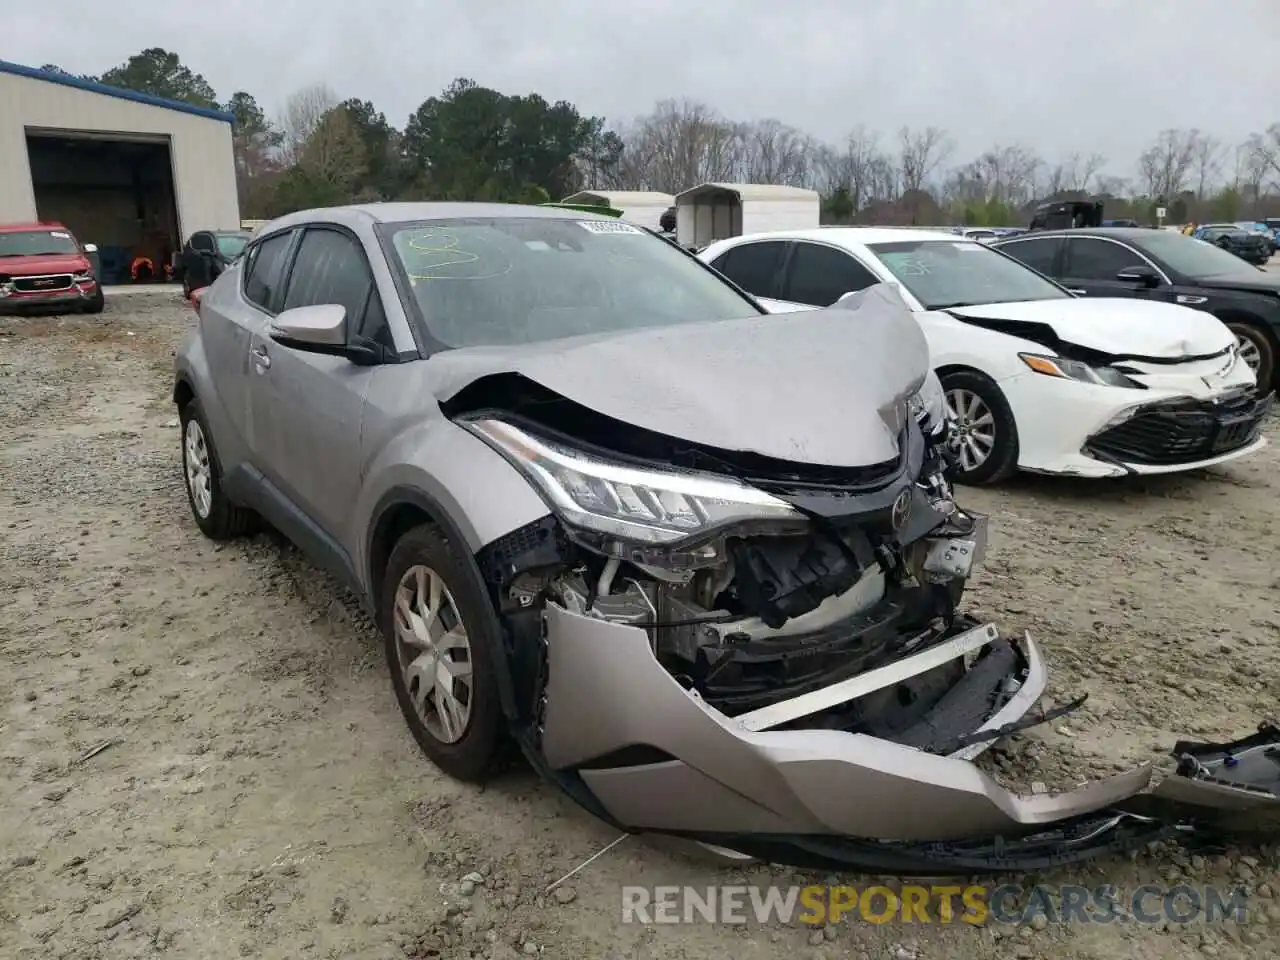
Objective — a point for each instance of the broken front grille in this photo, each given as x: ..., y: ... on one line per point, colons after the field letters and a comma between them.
x: 46, y: 284
x: 1183, y: 431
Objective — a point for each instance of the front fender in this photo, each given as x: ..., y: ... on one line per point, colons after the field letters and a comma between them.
x: 483, y: 495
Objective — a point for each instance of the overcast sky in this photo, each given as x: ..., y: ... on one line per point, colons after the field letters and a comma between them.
x: 1058, y: 76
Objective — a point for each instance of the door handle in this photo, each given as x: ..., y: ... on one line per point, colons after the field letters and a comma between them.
x: 261, y: 358
x: 1077, y: 291
x: 1191, y: 301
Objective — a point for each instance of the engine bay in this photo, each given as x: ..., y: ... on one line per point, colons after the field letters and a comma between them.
x: 762, y: 616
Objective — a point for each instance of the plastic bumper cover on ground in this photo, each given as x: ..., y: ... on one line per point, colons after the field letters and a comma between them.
x: 706, y: 773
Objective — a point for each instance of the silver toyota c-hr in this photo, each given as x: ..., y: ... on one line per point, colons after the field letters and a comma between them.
x: 702, y: 564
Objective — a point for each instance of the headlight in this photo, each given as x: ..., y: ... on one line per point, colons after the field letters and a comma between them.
x: 82, y: 276
x: 928, y: 404
x: 1077, y: 370
x: 626, y: 502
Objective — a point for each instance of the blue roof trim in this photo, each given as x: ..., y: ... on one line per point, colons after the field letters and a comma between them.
x: 31, y: 73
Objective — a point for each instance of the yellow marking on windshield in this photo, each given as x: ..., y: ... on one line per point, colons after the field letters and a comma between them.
x: 431, y: 243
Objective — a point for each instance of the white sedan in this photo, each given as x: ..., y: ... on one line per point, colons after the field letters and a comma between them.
x: 1035, y: 378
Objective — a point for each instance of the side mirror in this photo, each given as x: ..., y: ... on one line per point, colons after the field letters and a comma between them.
x: 1139, y: 273
x: 90, y: 248
x: 321, y: 328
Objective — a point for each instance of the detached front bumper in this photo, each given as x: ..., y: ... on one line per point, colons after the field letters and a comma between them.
x: 656, y: 758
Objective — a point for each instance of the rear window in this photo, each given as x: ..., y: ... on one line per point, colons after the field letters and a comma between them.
x: 35, y: 243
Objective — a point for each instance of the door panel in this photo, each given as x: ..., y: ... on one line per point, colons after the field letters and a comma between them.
x: 308, y: 407
x: 819, y: 275
x: 1091, y: 265
x: 755, y: 266
x: 230, y: 325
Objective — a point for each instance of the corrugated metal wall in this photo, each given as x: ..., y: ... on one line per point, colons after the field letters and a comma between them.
x: 203, y: 162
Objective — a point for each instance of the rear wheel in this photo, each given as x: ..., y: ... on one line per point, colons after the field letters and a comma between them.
x: 986, y: 434
x: 1257, y: 350
x: 216, y: 516
x: 435, y: 620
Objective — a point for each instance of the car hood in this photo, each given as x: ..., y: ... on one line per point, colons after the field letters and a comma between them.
x: 818, y: 387
x: 48, y: 263
x: 1255, y: 280
x: 1114, y: 326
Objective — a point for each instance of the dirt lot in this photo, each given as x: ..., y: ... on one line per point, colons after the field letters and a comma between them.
x: 202, y: 757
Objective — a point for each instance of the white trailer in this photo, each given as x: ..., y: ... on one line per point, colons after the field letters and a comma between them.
x: 641, y: 207
x: 718, y: 211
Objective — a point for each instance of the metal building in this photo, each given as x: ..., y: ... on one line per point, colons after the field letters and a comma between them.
x: 131, y: 173
x: 638, y: 206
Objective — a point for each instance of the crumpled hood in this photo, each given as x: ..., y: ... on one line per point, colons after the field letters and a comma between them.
x: 1115, y: 326
x: 822, y: 387
x: 35, y: 266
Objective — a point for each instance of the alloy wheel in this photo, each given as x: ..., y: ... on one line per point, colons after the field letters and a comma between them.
x: 434, y: 653
x: 1249, y: 352
x: 199, y: 470
x: 974, y: 427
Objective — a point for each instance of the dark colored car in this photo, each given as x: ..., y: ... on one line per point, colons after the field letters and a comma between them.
x: 207, y: 253
x: 1249, y: 246
x: 43, y: 265
x: 1063, y: 214
x: 1167, y: 266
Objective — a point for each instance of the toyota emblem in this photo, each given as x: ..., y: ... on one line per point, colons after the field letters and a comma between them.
x: 901, y: 510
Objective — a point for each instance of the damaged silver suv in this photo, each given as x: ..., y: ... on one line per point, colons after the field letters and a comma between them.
x: 702, y: 564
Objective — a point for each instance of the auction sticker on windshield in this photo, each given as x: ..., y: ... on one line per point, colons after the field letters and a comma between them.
x: 610, y: 226
x: 60, y: 235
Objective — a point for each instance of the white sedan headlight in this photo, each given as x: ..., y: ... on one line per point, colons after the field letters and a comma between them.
x: 651, y: 507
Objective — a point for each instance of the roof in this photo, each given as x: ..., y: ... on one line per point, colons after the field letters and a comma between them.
x: 413, y: 211
x: 752, y: 191
x: 90, y: 86
x: 842, y: 236
x: 622, y: 198
x: 1119, y: 233
x: 39, y: 225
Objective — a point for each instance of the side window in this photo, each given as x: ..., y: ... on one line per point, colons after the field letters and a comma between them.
x: 262, y: 272
x: 1036, y: 254
x: 754, y: 266
x: 331, y: 268
x: 1089, y: 259
x: 821, y: 275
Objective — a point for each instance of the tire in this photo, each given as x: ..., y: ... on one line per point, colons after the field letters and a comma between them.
x: 1255, y: 337
x: 476, y: 748
x: 97, y: 303
x: 222, y: 520
x: 1001, y: 460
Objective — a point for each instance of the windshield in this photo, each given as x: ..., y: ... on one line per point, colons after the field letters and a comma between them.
x: 231, y: 245
x: 502, y: 281
x: 35, y: 243
x: 1191, y: 257
x: 961, y: 273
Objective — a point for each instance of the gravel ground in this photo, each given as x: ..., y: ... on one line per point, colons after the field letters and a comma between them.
x: 202, y: 756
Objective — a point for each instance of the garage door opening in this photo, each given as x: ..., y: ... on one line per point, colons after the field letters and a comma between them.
x: 113, y: 192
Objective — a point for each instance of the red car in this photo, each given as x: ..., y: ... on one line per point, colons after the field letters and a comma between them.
x: 44, y: 265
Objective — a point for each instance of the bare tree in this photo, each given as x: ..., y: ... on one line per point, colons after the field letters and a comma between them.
x: 1206, y: 164
x: 922, y: 151
x: 1164, y: 166
x: 680, y: 144
x: 302, y: 113
x: 856, y: 167
x: 772, y: 152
